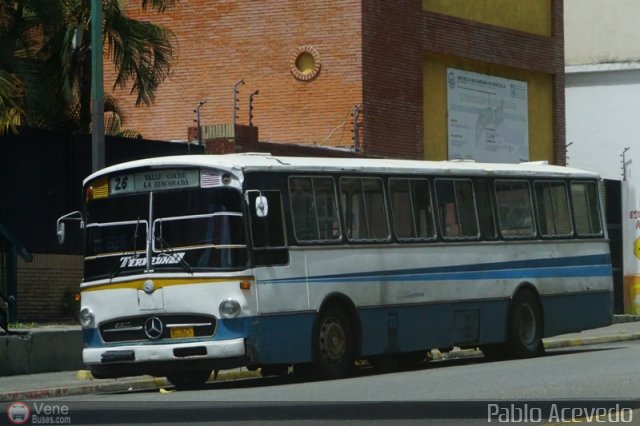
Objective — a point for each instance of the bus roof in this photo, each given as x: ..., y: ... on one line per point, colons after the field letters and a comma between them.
x: 248, y: 162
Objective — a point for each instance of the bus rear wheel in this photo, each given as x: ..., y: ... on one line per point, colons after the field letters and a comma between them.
x: 334, y: 343
x: 525, y: 326
x: 189, y: 379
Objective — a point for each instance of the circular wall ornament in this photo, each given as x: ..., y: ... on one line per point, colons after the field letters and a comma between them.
x: 305, y: 63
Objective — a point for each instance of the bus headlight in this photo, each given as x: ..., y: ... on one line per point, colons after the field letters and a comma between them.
x: 229, y: 308
x: 86, y: 317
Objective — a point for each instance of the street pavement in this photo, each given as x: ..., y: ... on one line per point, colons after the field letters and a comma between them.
x: 67, y: 383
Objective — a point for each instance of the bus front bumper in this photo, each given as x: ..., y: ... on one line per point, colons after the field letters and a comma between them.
x: 203, y: 350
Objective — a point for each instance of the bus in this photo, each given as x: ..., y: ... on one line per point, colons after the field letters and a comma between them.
x: 201, y: 263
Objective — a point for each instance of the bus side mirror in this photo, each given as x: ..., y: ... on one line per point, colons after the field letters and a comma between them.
x: 262, y: 206
x: 60, y: 225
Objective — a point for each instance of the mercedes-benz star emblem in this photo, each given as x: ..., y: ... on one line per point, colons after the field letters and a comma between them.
x: 153, y: 328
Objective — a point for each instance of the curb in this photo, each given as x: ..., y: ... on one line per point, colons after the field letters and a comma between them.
x: 131, y: 384
x: 554, y: 344
x: 617, y: 319
x: 457, y: 353
x: 148, y: 382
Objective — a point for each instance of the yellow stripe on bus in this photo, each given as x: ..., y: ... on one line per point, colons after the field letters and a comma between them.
x: 160, y: 283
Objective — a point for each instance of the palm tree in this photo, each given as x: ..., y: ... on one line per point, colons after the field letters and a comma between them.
x: 49, y: 72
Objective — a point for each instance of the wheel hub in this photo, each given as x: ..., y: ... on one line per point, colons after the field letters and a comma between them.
x: 526, y: 324
x: 332, y: 341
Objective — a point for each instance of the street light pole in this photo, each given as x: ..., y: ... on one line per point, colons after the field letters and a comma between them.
x: 97, y: 88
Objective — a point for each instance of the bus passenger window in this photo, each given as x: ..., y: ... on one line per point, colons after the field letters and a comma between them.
x: 364, y: 209
x: 456, y: 208
x: 515, y: 212
x: 314, y: 209
x: 552, y: 202
x: 585, y: 208
x: 411, y: 207
x: 303, y: 209
x: 486, y: 215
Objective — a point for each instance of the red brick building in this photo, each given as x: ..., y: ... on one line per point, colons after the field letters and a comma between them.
x: 315, y: 62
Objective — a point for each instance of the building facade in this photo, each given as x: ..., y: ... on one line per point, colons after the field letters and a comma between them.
x: 603, y: 97
x: 422, y: 79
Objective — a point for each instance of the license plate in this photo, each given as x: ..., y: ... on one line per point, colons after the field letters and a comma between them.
x: 181, y: 332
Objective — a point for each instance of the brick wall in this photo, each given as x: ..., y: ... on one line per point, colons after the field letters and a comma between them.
x: 221, y: 42
x: 392, y: 78
x: 371, y: 54
x: 42, y: 284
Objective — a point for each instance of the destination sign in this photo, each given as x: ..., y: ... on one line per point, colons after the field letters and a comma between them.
x: 154, y: 180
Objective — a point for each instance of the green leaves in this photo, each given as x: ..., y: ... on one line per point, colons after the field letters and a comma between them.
x: 11, y: 107
x: 45, y: 60
x: 141, y: 52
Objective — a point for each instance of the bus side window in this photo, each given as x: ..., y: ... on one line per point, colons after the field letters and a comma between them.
x: 313, y: 208
x: 486, y: 215
x: 585, y: 208
x: 303, y: 209
x: 326, y: 209
x: 364, y: 209
x: 515, y: 211
x: 552, y: 202
x: 411, y: 207
x: 457, y: 208
x: 267, y: 233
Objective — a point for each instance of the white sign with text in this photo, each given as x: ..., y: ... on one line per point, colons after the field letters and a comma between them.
x: 487, y: 118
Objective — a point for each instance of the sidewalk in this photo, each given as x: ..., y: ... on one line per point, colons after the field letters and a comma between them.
x: 66, y: 383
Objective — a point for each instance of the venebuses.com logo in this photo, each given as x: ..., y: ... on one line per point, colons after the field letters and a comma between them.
x: 18, y: 413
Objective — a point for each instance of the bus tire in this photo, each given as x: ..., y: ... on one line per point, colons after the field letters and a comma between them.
x: 525, y: 326
x: 189, y: 378
x: 334, y: 343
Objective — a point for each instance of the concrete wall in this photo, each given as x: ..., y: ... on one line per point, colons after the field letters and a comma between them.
x: 42, y: 351
x: 601, y: 31
x: 602, y: 120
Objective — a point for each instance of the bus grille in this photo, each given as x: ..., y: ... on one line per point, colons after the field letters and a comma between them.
x: 133, y: 328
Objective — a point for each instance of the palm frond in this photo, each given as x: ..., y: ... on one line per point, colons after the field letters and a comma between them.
x: 142, y: 53
x: 11, y: 102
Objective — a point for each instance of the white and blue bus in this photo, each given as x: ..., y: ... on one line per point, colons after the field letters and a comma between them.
x: 201, y: 263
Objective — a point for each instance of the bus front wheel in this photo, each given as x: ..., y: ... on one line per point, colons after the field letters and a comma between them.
x: 525, y: 326
x: 334, y: 343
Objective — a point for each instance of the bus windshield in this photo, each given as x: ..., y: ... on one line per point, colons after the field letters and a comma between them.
x: 191, y: 229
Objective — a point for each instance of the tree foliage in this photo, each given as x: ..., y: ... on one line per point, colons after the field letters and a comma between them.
x: 45, y: 61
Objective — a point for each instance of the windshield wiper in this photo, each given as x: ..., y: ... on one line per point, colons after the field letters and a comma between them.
x: 116, y: 269
x: 164, y: 245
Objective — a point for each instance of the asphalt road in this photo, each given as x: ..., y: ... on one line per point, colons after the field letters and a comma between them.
x: 596, y: 382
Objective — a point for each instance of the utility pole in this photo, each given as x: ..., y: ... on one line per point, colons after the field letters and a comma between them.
x: 356, y: 137
x: 197, y: 120
x: 251, y: 96
x: 624, y: 163
x: 566, y: 157
x: 97, y: 88
x: 235, y: 103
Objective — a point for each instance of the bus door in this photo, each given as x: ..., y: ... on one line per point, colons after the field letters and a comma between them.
x: 280, y: 273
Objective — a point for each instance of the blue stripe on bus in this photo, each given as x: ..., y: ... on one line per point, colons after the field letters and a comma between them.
x: 577, y: 266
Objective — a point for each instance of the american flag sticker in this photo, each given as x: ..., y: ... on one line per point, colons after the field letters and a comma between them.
x: 210, y: 179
